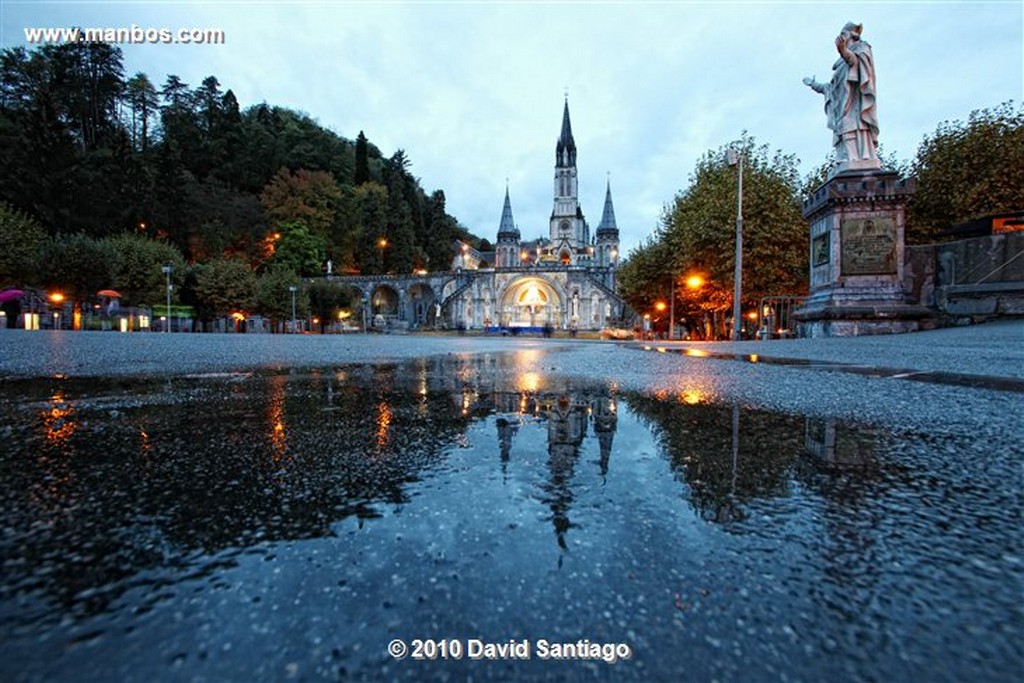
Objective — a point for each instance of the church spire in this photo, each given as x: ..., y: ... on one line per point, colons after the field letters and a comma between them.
x: 507, y: 228
x: 565, y: 150
x: 607, y: 224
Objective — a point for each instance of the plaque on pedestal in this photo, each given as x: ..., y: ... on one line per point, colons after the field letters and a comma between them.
x: 856, y: 257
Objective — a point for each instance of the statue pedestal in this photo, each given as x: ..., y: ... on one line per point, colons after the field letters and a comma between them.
x: 857, y: 224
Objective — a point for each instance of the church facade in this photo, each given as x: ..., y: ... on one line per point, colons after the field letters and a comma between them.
x: 565, y: 280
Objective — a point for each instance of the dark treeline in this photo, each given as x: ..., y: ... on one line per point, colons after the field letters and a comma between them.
x: 86, y: 149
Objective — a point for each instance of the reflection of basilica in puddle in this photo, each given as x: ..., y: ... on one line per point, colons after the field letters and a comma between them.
x: 569, y: 416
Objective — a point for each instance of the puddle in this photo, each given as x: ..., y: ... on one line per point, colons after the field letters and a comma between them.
x: 932, y: 377
x: 291, y: 525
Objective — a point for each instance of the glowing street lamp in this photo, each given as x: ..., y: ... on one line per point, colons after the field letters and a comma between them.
x: 735, y: 158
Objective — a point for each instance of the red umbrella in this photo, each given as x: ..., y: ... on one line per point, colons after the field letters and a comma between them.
x: 109, y: 293
x: 10, y: 295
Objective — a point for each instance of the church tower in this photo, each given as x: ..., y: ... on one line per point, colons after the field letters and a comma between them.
x: 569, y: 232
x: 607, y: 247
x: 507, y: 249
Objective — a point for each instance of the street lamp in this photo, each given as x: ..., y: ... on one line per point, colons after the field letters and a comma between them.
x: 167, y: 271
x: 382, y: 243
x: 292, y: 289
x: 736, y: 159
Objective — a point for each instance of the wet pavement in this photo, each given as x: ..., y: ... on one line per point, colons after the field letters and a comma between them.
x: 205, y: 507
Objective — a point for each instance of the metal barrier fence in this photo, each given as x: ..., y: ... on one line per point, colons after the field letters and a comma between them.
x: 775, y: 317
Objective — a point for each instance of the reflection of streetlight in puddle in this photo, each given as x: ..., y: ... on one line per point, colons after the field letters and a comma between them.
x: 691, y: 396
x: 529, y: 382
x: 59, y: 420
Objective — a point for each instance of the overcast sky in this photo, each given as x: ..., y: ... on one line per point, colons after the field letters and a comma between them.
x: 473, y: 92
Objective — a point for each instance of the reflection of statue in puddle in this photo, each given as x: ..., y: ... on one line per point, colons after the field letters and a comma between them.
x: 836, y: 447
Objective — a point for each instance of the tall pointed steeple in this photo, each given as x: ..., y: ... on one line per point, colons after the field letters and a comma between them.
x: 607, y: 224
x: 565, y: 150
x: 607, y: 237
x: 507, y: 249
x: 569, y: 231
x: 507, y: 228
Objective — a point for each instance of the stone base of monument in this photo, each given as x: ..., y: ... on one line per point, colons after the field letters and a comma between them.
x: 858, y: 219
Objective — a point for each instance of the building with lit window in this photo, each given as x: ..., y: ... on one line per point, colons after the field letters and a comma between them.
x: 564, y: 280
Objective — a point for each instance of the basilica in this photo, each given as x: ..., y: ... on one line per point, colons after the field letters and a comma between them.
x: 565, y: 280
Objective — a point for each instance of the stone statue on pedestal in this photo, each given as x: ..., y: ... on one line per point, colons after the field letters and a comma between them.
x: 850, y: 102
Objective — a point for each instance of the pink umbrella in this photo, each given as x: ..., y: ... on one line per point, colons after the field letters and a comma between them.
x: 10, y: 295
x: 109, y: 293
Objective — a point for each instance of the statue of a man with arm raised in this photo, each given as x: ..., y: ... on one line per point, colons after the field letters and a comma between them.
x: 850, y: 102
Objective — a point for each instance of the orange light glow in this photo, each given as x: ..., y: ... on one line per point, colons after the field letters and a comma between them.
x: 660, y: 306
x: 384, y: 417
x: 382, y: 242
x: 691, y: 397
x: 59, y: 420
x: 695, y: 282
x: 57, y: 297
x: 529, y: 382
x: 752, y: 315
x: 696, y: 353
x: 275, y: 418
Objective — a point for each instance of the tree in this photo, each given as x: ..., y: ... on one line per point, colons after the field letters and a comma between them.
x: 298, y: 250
x: 309, y: 197
x: 373, y: 205
x: 138, y: 274
x: 441, y: 229
x: 967, y: 170
x: 144, y: 103
x: 22, y: 238
x: 274, y: 296
x: 85, y: 150
x: 697, y: 234
x: 224, y: 286
x: 362, y: 170
x: 401, y: 232
x: 326, y: 299
x: 646, y: 275
x: 76, y: 266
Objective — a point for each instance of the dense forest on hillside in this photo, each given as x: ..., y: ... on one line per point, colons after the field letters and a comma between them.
x: 85, y: 149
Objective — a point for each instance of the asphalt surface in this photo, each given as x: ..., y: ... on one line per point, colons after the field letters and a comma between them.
x: 207, y: 527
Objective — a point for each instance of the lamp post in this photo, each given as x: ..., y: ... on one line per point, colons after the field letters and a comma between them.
x: 292, y: 289
x: 167, y: 271
x: 736, y: 159
x: 382, y: 243
x: 672, y: 307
